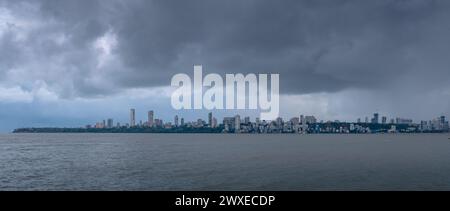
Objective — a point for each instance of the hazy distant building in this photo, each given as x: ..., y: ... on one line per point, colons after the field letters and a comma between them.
x: 132, y: 117
x: 210, y: 118
x: 443, y: 123
x: 383, y: 120
x: 182, y: 122
x: 229, y: 123
x: 375, y: 119
x: 237, y: 122
x: 200, y: 123
x: 110, y: 123
x: 158, y: 123
x: 247, y: 120
x: 403, y: 121
x: 392, y: 121
x: 176, y: 121
x: 151, y: 117
x: 295, y: 121
x: 214, y: 123
x: 310, y: 120
x: 279, y: 121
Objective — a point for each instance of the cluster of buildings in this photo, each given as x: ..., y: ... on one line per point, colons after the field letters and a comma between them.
x: 302, y: 124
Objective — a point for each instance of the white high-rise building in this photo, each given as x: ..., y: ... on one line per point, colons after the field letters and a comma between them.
x: 210, y: 118
x: 151, y: 120
x: 176, y: 121
x: 237, y: 122
x: 132, y: 117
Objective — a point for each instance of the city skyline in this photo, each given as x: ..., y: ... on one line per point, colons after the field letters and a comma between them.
x: 297, y: 124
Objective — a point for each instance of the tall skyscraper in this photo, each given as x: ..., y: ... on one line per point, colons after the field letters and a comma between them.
x: 110, y: 123
x: 132, y: 117
x: 151, y: 121
x: 182, y: 122
x: 210, y: 117
x: 214, y: 122
x: 176, y: 121
x: 237, y: 122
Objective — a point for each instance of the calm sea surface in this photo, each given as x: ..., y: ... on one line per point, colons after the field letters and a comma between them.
x: 224, y: 162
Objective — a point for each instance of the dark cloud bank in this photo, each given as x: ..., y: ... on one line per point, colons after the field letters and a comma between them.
x: 314, y: 45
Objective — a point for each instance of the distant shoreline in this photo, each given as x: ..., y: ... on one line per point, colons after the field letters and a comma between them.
x: 205, y: 130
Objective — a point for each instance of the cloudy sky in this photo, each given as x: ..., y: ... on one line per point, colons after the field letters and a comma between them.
x: 74, y: 62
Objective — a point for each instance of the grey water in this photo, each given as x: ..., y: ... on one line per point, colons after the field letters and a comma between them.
x: 224, y: 162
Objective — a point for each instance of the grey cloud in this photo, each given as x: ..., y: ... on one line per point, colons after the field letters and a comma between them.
x: 316, y: 46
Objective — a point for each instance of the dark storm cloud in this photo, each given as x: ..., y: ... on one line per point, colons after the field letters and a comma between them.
x: 316, y: 46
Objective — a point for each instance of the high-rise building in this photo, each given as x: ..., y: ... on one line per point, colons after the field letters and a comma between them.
x: 110, y: 123
x: 132, y: 117
x: 310, y: 120
x: 200, y: 122
x: 176, y: 121
x: 383, y: 120
x: 280, y: 121
x: 295, y: 121
x: 210, y: 118
x: 214, y: 122
x: 182, y: 122
x: 247, y: 120
x: 366, y: 120
x: 229, y: 123
x: 237, y: 122
x: 375, y: 119
x: 158, y: 123
x: 359, y: 120
x: 151, y: 117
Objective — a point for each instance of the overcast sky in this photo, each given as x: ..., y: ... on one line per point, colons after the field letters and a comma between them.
x: 75, y: 62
